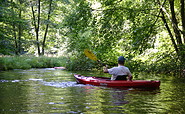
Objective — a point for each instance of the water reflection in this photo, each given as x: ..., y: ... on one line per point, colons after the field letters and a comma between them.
x: 55, y: 91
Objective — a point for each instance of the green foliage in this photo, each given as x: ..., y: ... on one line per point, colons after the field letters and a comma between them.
x: 83, y: 64
x: 77, y: 23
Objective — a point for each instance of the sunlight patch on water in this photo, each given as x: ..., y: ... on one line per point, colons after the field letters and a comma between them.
x: 32, y: 79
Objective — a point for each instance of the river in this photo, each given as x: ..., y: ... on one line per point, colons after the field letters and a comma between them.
x: 53, y: 91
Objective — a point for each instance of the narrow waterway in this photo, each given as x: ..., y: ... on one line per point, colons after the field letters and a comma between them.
x: 55, y: 92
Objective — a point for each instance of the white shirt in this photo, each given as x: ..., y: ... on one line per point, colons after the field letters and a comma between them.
x: 120, y: 70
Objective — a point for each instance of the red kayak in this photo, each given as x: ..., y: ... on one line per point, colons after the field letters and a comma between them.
x: 103, y: 81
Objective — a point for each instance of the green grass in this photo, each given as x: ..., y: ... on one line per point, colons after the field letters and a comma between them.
x: 27, y: 62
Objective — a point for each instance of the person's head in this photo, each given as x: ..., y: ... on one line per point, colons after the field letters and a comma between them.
x: 121, y: 60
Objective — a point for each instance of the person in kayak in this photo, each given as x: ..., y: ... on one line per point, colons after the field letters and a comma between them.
x: 119, y: 73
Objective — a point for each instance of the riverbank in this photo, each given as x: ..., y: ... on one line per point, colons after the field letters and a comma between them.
x: 82, y: 64
x: 27, y: 62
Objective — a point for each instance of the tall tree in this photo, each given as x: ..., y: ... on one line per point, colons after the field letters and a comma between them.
x: 37, y: 20
x: 47, y: 26
x: 183, y: 18
x: 171, y: 18
x: 6, y: 45
x: 13, y: 25
x: 20, y: 28
x: 17, y: 25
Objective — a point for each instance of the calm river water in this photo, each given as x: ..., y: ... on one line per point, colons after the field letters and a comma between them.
x: 52, y: 91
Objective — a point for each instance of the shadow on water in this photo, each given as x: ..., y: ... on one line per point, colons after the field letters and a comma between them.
x: 56, y: 91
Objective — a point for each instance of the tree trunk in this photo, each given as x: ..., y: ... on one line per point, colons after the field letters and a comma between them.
x: 163, y: 12
x: 176, y: 39
x: 169, y: 32
x: 47, y: 26
x: 183, y: 32
x: 15, y: 39
x: 36, y: 25
x: 183, y: 19
x: 19, y: 33
x: 14, y: 30
x: 177, y: 31
x: 175, y: 23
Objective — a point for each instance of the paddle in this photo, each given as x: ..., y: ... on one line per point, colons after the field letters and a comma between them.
x: 92, y: 56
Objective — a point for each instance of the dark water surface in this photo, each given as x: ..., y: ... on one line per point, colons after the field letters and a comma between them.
x: 56, y: 92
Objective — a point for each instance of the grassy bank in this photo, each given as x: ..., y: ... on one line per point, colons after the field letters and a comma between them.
x: 83, y: 63
x: 27, y: 62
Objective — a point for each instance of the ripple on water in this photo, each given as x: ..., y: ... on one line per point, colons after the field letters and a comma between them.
x: 53, y: 84
x: 4, y: 81
x: 63, y: 84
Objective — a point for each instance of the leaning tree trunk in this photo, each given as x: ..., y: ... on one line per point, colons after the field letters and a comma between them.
x: 178, y: 33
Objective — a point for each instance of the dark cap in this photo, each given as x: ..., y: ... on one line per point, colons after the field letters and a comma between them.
x: 121, y: 58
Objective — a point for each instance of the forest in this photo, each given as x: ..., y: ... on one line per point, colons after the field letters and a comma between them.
x: 150, y: 34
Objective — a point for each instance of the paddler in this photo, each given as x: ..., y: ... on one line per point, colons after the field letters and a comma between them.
x: 120, y: 72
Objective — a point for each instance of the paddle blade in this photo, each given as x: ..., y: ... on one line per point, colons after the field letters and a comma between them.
x: 90, y: 55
